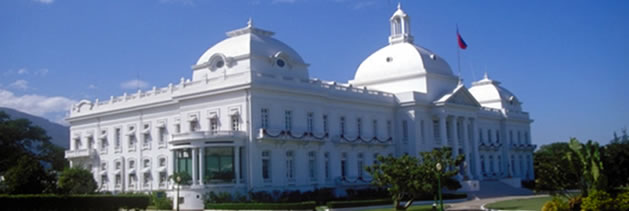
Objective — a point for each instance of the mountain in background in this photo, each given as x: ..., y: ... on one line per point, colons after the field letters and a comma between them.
x: 59, y: 134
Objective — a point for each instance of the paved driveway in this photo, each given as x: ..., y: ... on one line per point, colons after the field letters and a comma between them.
x: 476, y: 204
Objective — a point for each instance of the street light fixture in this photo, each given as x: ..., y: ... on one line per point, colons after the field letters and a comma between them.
x: 178, y: 180
x: 439, y: 185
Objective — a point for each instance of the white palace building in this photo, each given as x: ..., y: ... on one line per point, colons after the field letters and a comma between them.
x: 251, y: 119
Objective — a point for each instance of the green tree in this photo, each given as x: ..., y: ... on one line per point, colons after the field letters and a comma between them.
x: 19, y: 138
x: 27, y: 177
x: 616, y: 154
x: 402, y: 177
x: 448, y: 162
x: 592, y: 177
x: 405, y: 177
x: 76, y: 181
x: 554, y: 172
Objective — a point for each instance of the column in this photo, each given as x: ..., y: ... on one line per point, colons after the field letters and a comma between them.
x: 201, y: 164
x: 194, y: 166
x: 442, y: 130
x: 466, y: 148
x: 454, y: 131
x: 479, y: 174
x: 237, y: 164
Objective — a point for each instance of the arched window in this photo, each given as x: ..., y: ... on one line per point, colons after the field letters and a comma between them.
x: 344, y: 164
x: 326, y: 157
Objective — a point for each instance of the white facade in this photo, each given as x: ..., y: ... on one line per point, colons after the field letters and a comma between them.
x: 251, y: 119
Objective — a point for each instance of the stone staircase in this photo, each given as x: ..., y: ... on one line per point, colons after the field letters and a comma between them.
x: 494, y: 188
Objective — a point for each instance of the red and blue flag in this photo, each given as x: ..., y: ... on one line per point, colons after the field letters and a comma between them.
x: 462, y: 43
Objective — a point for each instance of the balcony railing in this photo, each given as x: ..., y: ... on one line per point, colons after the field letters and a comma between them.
x: 523, y: 147
x: 79, y: 153
x: 206, y: 135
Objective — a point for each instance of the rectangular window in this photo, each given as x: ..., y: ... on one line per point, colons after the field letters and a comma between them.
x: 511, y: 136
x: 213, y: 125
x: 375, y: 158
x: 194, y: 126
x: 326, y: 167
x: 132, y: 141
x: 497, y: 136
x: 405, y: 131
x: 218, y: 165
x: 117, y: 137
x: 343, y: 165
x: 235, y: 122
x: 266, y: 166
x: 162, y: 135
x: 290, y: 166
x: 389, y: 129
x: 526, y: 138
x: 436, y: 130
x: 103, y: 180
x: 242, y: 163
x: 118, y: 165
x: 421, y: 128
x: 374, y: 127
x: 288, y: 120
x: 131, y: 164
x: 312, y: 165
x: 147, y: 163
x: 147, y: 179
x: 177, y: 128
x: 480, y: 135
x: 162, y: 162
x: 310, y: 122
x: 103, y: 167
x: 519, y: 138
x: 147, y: 140
x: 264, y: 118
x: 342, y: 125
x: 183, y: 161
x: 162, y: 179
x: 325, y: 124
x: 489, y: 136
x: 104, y: 144
x: 361, y: 165
x: 359, y: 126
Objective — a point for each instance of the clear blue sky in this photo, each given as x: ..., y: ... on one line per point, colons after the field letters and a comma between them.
x: 567, y: 60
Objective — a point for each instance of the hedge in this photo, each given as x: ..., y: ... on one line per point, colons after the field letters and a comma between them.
x: 358, y: 203
x: 308, y: 205
x: 362, y: 203
x: 74, y: 202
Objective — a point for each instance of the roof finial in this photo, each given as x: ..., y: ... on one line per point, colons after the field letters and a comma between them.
x: 460, y: 81
x: 486, y: 76
x: 250, y: 22
x: 399, y: 5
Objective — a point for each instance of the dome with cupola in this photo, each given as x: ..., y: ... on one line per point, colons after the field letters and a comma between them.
x: 490, y: 94
x: 406, y: 64
x: 253, y: 49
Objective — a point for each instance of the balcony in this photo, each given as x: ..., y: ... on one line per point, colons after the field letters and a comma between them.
x: 79, y: 153
x: 206, y: 136
x: 276, y: 135
x: 523, y: 147
x: 489, y: 147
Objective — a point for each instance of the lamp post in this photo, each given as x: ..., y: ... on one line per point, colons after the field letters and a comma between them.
x: 178, y: 180
x: 439, y: 185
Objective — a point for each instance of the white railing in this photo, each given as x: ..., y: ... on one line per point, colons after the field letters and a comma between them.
x: 141, y: 97
x: 206, y: 135
x: 78, y: 153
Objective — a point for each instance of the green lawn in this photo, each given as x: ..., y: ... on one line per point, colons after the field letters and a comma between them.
x: 520, y: 204
x: 412, y: 208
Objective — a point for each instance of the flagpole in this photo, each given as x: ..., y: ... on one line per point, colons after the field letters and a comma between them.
x: 458, y: 52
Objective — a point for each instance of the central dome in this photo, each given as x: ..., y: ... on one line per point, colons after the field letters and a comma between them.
x: 403, y: 66
x: 401, y: 59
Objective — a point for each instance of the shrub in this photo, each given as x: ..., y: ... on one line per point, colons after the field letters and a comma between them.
x: 261, y: 196
x: 74, y: 202
x: 309, y: 205
x: 556, y: 204
x: 598, y: 200
x: 358, y: 203
x: 622, y: 200
x: 160, y: 201
x: 575, y: 203
x: 222, y: 197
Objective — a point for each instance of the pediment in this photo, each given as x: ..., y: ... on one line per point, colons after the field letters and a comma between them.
x: 459, y: 96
